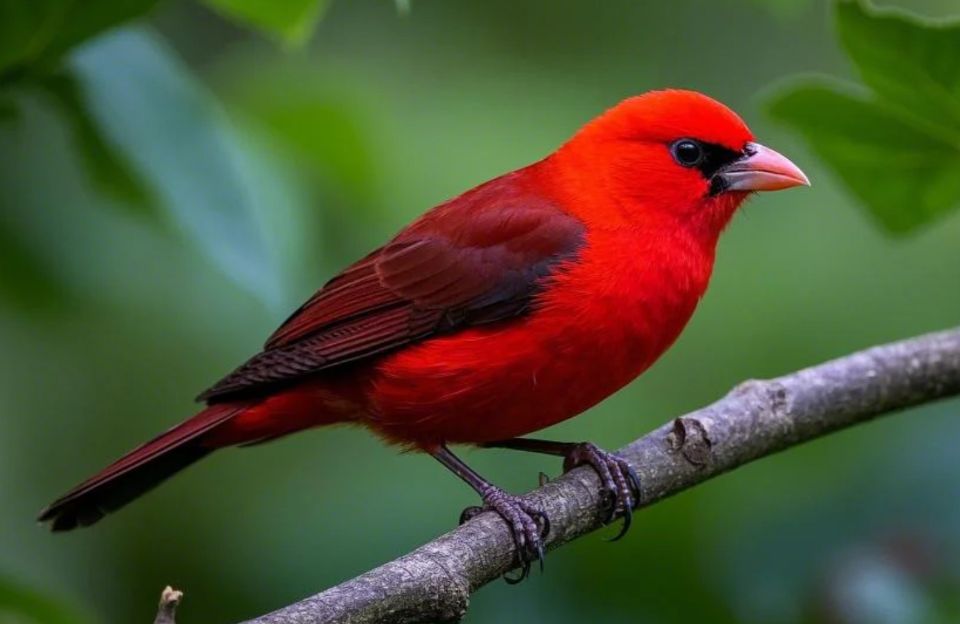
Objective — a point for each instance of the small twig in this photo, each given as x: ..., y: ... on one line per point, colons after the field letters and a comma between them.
x: 758, y: 418
x: 167, y: 611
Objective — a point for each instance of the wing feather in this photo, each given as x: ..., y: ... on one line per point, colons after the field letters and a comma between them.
x: 479, y: 258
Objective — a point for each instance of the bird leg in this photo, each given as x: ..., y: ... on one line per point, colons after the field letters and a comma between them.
x: 620, y: 482
x: 528, y: 524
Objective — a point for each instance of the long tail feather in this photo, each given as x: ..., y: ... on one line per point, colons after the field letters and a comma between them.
x: 137, y: 472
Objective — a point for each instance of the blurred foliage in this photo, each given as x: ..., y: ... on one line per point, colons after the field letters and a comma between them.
x: 34, y: 35
x: 898, y: 146
x: 107, y: 168
x: 33, y: 38
x: 23, y: 606
x: 333, y: 146
x: 148, y: 163
x: 292, y: 20
x: 784, y: 8
x: 25, y: 277
x: 145, y: 132
x: 176, y: 135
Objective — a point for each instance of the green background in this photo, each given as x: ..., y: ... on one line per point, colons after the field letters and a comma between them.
x: 211, y: 178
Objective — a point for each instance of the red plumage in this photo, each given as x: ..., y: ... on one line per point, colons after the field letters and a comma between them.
x: 514, y: 306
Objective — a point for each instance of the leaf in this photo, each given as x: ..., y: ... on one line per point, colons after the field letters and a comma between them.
x: 179, y: 140
x: 910, y: 62
x: 898, y: 151
x: 107, y: 167
x: 38, y: 32
x: 906, y: 176
x: 20, y: 605
x: 293, y: 21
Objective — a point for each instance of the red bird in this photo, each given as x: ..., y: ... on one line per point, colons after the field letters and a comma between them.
x: 516, y: 305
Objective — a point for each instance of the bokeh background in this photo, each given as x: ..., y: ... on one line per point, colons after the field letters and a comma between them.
x: 165, y: 204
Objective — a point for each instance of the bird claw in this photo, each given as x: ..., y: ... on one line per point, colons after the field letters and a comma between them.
x: 620, y: 483
x: 528, y: 524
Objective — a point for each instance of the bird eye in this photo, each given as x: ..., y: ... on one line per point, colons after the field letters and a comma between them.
x: 687, y: 152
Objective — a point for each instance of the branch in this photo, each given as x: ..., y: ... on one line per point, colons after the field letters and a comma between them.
x: 758, y: 418
x: 167, y: 611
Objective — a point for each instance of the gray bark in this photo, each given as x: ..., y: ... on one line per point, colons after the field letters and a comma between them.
x: 167, y: 609
x: 757, y: 418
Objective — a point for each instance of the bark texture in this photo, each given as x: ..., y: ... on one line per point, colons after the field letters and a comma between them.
x: 167, y: 610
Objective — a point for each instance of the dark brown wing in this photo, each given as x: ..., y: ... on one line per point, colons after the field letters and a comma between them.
x: 479, y: 258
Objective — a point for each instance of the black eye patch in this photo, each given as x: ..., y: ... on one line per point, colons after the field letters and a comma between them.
x: 707, y: 158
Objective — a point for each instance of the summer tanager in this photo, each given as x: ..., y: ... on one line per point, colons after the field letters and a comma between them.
x: 514, y: 306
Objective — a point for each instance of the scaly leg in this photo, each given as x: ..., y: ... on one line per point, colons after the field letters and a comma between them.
x: 528, y: 524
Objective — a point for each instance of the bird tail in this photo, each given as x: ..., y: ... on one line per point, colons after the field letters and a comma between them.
x: 138, y: 471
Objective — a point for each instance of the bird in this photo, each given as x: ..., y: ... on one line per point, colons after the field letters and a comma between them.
x: 516, y: 305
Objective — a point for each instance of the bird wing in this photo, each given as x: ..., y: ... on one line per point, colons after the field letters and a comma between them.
x: 479, y: 258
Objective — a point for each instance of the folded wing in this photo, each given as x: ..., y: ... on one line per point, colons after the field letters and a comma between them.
x: 480, y: 258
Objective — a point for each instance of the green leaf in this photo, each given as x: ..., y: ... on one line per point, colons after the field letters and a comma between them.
x: 19, y: 605
x: 906, y: 175
x: 106, y: 166
x: 37, y: 32
x: 910, y: 62
x: 898, y: 151
x: 293, y: 21
x: 180, y: 141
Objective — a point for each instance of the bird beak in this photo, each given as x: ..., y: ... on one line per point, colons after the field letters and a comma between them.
x: 762, y: 169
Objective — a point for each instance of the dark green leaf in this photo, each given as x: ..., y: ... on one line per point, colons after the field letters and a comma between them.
x: 37, y: 32
x: 292, y: 20
x: 906, y: 176
x: 107, y: 167
x: 910, y: 62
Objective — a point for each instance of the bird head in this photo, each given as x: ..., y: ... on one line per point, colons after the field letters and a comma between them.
x: 673, y: 155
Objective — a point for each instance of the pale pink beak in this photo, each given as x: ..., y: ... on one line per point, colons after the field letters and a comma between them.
x: 762, y: 169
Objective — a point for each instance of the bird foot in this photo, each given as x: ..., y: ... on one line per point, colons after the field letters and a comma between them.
x: 619, y: 481
x: 528, y: 524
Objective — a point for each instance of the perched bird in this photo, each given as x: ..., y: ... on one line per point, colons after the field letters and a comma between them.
x: 514, y: 306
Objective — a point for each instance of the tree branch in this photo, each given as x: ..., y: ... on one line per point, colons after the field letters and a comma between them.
x: 167, y: 610
x: 758, y: 418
